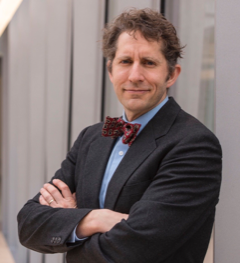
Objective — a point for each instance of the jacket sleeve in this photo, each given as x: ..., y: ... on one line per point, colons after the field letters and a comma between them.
x: 46, y: 229
x: 177, y: 203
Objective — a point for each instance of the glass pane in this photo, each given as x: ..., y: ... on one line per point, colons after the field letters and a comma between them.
x: 194, y: 90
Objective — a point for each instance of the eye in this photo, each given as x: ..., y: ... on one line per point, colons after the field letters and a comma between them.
x: 149, y: 63
x: 125, y: 61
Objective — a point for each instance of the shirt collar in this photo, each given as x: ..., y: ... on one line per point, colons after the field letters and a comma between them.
x: 145, y: 118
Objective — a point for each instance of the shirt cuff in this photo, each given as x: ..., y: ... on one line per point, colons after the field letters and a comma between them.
x: 73, y: 238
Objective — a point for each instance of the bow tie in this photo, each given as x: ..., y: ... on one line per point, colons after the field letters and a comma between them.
x: 116, y: 127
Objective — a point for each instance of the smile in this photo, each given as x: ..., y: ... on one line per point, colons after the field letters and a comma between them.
x: 136, y: 91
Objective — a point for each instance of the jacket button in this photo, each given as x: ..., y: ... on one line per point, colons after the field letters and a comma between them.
x: 59, y: 239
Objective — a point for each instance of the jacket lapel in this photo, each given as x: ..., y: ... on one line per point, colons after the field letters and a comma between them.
x: 142, y: 147
x: 96, y: 161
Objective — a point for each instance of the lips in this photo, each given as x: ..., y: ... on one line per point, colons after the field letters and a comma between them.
x: 140, y: 87
x: 136, y: 89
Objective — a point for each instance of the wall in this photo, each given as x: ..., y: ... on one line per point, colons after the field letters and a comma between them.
x: 35, y: 110
x: 228, y: 128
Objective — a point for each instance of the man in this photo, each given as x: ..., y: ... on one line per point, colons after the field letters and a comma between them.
x: 149, y: 195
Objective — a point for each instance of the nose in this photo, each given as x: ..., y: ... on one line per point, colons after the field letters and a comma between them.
x: 136, y: 73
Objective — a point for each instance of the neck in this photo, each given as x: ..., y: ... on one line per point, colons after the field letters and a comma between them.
x: 131, y: 116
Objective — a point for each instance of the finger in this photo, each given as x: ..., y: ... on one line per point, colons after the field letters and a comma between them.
x: 63, y: 187
x: 42, y: 201
x: 47, y: 197
x: 54, y: 192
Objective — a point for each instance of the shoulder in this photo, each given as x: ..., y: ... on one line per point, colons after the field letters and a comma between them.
x: 90, y: 133
x: 188, y: 126
x: 182, y: 124
x: 175, y: 127
x: 191, y: 137
x: 85, y: 138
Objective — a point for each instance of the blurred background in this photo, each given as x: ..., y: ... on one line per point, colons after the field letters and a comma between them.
x: 54, y: 83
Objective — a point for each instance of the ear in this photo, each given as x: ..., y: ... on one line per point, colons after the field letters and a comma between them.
x: 172, y: 79
x: 109, y: 68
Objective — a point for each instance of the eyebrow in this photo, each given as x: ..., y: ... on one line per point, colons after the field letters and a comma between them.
x: 143, y: 58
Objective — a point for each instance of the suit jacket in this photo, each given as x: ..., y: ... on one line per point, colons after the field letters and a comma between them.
x: 168, y: 182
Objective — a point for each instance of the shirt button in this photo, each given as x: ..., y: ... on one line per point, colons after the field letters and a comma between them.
x: 121, y: 153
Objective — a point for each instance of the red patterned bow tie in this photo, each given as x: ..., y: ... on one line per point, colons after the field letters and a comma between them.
x: 115, y: 127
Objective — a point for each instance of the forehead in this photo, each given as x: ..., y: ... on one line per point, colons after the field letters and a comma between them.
x: 135, y: 42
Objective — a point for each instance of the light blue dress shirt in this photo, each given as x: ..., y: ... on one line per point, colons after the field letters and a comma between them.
x: 118, y: 152
x: 120, y: 149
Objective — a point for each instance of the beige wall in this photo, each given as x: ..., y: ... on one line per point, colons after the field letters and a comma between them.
x: 228, y: 128
x: 35, y: 110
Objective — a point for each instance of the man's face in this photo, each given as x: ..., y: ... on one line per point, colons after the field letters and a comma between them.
x: 140, y: 74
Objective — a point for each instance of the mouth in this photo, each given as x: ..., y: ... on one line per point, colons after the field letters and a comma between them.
x: 138, y: 91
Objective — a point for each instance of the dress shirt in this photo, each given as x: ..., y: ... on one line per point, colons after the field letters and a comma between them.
x: 118, y: 152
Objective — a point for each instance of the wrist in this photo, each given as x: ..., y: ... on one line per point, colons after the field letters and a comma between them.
x: 88, y: 225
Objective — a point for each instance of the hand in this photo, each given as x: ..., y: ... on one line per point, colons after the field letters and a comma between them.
x: 51, y: 196
x: 98, y: 221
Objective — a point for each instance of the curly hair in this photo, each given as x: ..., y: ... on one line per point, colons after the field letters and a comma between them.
x: 153, y: 27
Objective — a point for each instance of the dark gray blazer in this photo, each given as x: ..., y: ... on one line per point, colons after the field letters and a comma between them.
x: 168, y: 182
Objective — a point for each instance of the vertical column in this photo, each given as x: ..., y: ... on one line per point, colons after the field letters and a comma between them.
x: 4, y: 124
x: 57, y: 82
x: 37, y: 107
x: 87, y: 64
x: 228, y: 128
x: 17, y: 125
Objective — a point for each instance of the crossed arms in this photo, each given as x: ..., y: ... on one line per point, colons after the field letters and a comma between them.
x: 176, y: 208
x: 97, y: 221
